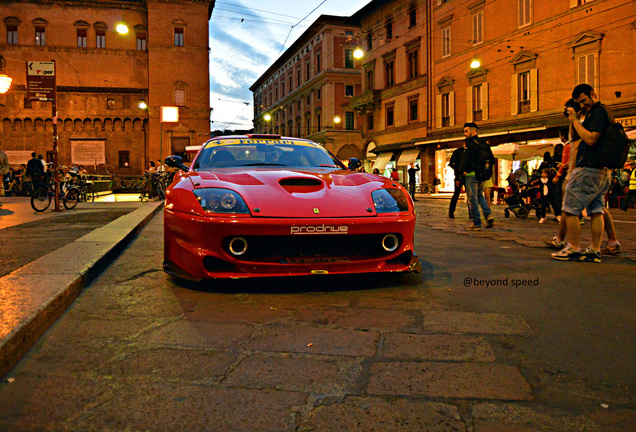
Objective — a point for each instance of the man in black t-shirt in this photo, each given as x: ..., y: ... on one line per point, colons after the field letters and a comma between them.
x: 589, y: 181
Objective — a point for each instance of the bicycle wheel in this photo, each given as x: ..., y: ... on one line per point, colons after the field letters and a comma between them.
x: 144, y: 193
x: 41, y: 199
x: 88, y: 195
x: 71, y: 198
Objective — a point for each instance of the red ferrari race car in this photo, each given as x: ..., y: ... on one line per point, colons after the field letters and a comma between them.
x: 265, y: 205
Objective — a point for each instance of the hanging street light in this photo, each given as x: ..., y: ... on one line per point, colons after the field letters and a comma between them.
x: 358, y: 53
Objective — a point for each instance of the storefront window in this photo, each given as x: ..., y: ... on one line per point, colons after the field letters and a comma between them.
x: 443, y: 171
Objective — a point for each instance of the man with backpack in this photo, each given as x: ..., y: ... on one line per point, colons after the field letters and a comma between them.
x: 589, y: 181
x: 477, y: 166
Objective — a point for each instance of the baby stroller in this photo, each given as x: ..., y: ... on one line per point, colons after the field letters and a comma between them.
x: 518, y: 182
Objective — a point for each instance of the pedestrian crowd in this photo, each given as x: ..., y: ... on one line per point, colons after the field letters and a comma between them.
x: 573, y: 182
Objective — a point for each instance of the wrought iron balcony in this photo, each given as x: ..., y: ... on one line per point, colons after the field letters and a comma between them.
x: 367, y: 102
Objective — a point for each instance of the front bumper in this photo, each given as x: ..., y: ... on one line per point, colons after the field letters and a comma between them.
x: 196, y: 247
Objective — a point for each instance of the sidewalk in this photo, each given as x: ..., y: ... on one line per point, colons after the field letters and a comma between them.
x: 37, y: 292
x: 432, y: 211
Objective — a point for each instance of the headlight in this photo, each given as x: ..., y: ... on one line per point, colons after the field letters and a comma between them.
x: 220, y: 201
x: 389, y: 201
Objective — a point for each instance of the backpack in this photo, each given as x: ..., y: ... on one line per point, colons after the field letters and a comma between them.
x: 614, y: 152
x: 485, y: 162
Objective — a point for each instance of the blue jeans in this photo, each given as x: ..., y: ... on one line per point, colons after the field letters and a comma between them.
x: 476, y: 199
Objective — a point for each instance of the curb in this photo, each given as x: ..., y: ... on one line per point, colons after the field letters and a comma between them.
x: 33, y: 297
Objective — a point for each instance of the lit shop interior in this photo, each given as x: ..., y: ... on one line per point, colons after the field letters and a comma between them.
x: 527, y: 155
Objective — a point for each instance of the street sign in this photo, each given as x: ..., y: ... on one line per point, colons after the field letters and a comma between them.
x: 41, y: 81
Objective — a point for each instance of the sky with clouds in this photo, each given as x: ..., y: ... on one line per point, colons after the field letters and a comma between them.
x: 246, y: 37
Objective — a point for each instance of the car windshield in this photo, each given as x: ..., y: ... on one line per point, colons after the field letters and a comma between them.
x: 263, y: 153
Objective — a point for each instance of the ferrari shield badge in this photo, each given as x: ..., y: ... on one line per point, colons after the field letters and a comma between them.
x: 316, y: 211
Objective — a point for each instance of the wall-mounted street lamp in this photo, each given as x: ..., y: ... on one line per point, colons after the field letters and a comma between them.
x: 358, y: 53
x: 475, y: 64
x: 169, y: 114
x: 142, y: 104
x: 5, y: 80
x: 267, y: 117
x: 337, y: 119
x: 121, y: 27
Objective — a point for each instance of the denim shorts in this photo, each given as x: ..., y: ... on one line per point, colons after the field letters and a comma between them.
x: 586, y: 189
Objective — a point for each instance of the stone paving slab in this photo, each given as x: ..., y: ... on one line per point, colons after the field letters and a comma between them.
x: 254, y: 313
x: 448, y: 380
x: 438, y: 347
x: 473, y: 322
x: 315, y: 340
x: 100, y: 405
x: 357, y: 318
x: 504, y: 417
x: 199, y: 334
x: 308, y: 374
x: 384, y: 415
x: 158, y: 364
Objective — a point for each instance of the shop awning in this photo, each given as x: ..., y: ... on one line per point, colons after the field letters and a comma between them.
x: 440, y: 140
x: 382, y: 161
x: 631, y: 134
x: 408, y: 156
x: 482, y: 135
x: 521, y: 151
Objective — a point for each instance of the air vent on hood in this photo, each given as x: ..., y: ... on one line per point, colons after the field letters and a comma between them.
x: 244, y: 179
x: 355, y: 179
x: 302, y: 181
x: 301, y: 185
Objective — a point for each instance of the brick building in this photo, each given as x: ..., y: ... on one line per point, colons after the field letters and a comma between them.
x: 394, y: 99
x: 306, y: 91
x: 102, y: 76
x: 531, y: 52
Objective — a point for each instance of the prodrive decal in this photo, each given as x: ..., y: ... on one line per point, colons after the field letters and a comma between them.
x: 320, y: 229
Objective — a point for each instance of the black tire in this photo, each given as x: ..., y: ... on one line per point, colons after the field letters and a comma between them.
x: 507, y: 213
x: 88, y: 195
x: 41, y: 199
x: 71, y: 198
x: 523, y: 212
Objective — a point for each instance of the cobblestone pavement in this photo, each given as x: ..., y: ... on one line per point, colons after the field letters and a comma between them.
x: 138, y: 352
x: 527, y: 232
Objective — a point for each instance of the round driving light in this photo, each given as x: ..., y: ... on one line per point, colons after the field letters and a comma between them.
x: 390, y: 243
x: 238, y: 246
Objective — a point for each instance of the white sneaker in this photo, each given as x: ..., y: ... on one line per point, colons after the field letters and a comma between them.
x: 542, y: 220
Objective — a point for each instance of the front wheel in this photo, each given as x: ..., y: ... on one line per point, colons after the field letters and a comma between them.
x: 71, y: 198
x: 88, y: 195
x: 41, y: 199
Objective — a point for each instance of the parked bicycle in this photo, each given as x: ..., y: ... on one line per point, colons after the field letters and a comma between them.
x: 69, y: 194
x: 87, y: 193
x: 154, y: 186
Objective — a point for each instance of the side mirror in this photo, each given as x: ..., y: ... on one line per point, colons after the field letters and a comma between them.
x: 176, y: 162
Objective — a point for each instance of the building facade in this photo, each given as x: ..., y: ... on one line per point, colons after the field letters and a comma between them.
x: 102, y: 78
x: 531, y: 54
x: 306, y: 92
x: 394, y: 101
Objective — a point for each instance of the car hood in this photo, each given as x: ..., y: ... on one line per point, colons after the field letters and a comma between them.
x: 297, y: 193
